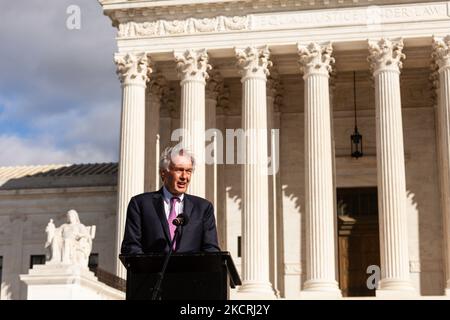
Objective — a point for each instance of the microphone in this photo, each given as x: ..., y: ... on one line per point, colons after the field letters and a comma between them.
x: 181, y: 220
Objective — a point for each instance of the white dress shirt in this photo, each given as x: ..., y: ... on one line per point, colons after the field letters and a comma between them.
x: 178, y: 205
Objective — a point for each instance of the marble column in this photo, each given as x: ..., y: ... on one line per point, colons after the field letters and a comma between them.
x: 273, y: 87
x: 166, y: 114
x: 214, y: 86
x: 155, y: 90
x: 221, y: 208
x: 278, y: 195
x: 133, y: 70
x: 316, y: 65
x: 333, y: 157
x: 441, y: 57
x: 386, y: 62
x: 254, y: 64
x: 192, y: 67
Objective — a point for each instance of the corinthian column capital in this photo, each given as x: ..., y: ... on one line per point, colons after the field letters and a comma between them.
x: 273, y: 84
x: 316, y: 59
x: 386, y: 55
x: 214, y: 85
x: 434, y: 80
x: 441, y: 51
x: 192, y: 65
x: 253, y: 62
x: 158, y: 85
x: 133, y: 68
x: 223, y: 101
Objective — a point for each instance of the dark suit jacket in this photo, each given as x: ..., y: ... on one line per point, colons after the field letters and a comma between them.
x: 147, y: 229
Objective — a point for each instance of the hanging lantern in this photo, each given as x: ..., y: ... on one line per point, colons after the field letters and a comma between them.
x: 357, y: 145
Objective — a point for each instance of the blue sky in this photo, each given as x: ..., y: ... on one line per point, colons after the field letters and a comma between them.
x: 59, y: 94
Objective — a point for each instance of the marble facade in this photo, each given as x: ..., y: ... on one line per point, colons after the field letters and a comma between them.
x: 311, y: 44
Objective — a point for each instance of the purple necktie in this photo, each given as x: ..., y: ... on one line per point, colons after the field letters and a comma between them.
x: 172, y: 216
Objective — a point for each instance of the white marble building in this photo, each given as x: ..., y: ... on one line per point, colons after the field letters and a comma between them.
x: 287, y: 65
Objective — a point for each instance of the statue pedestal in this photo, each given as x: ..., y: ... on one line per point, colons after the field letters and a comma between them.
x: 67, y: 282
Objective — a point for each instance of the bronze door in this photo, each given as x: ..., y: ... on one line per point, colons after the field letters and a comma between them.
x: 358, y: 241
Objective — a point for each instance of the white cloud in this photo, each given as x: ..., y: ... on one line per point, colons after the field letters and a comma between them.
x: 20, y: 151
x: 59, y: 95
x: 100, y: 125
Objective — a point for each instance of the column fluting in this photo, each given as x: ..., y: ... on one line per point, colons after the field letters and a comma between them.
x: 386, y: 62
x: 133, y: 71
x: 441, y: 57
x: 192, y: 67
x: 254, y: 64
x: 316, y: 65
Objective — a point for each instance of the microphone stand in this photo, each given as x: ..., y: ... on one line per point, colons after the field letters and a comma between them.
x: 156, y: 295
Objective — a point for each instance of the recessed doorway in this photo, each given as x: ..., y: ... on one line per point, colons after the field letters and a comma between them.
x: 358, y: 239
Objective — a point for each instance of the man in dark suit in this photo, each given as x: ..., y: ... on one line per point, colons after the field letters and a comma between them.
x: 149, y: 227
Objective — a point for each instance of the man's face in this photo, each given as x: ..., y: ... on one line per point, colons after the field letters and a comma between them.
x: 177, y: 179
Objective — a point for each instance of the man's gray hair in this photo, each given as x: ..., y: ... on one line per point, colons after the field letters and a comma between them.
x: 171, y: 152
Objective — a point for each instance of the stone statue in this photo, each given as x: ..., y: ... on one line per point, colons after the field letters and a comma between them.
x: 71, y: 243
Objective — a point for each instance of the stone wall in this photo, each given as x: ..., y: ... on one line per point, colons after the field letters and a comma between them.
x: 24, y: 215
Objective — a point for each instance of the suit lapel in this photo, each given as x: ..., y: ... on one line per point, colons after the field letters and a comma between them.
x: 188, y: 205
x: 158, y: 203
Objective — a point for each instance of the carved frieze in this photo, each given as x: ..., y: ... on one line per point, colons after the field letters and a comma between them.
x: 178, y: 27
x: 371, y: 17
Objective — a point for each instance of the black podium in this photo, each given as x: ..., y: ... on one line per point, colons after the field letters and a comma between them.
x: 189, y: 276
